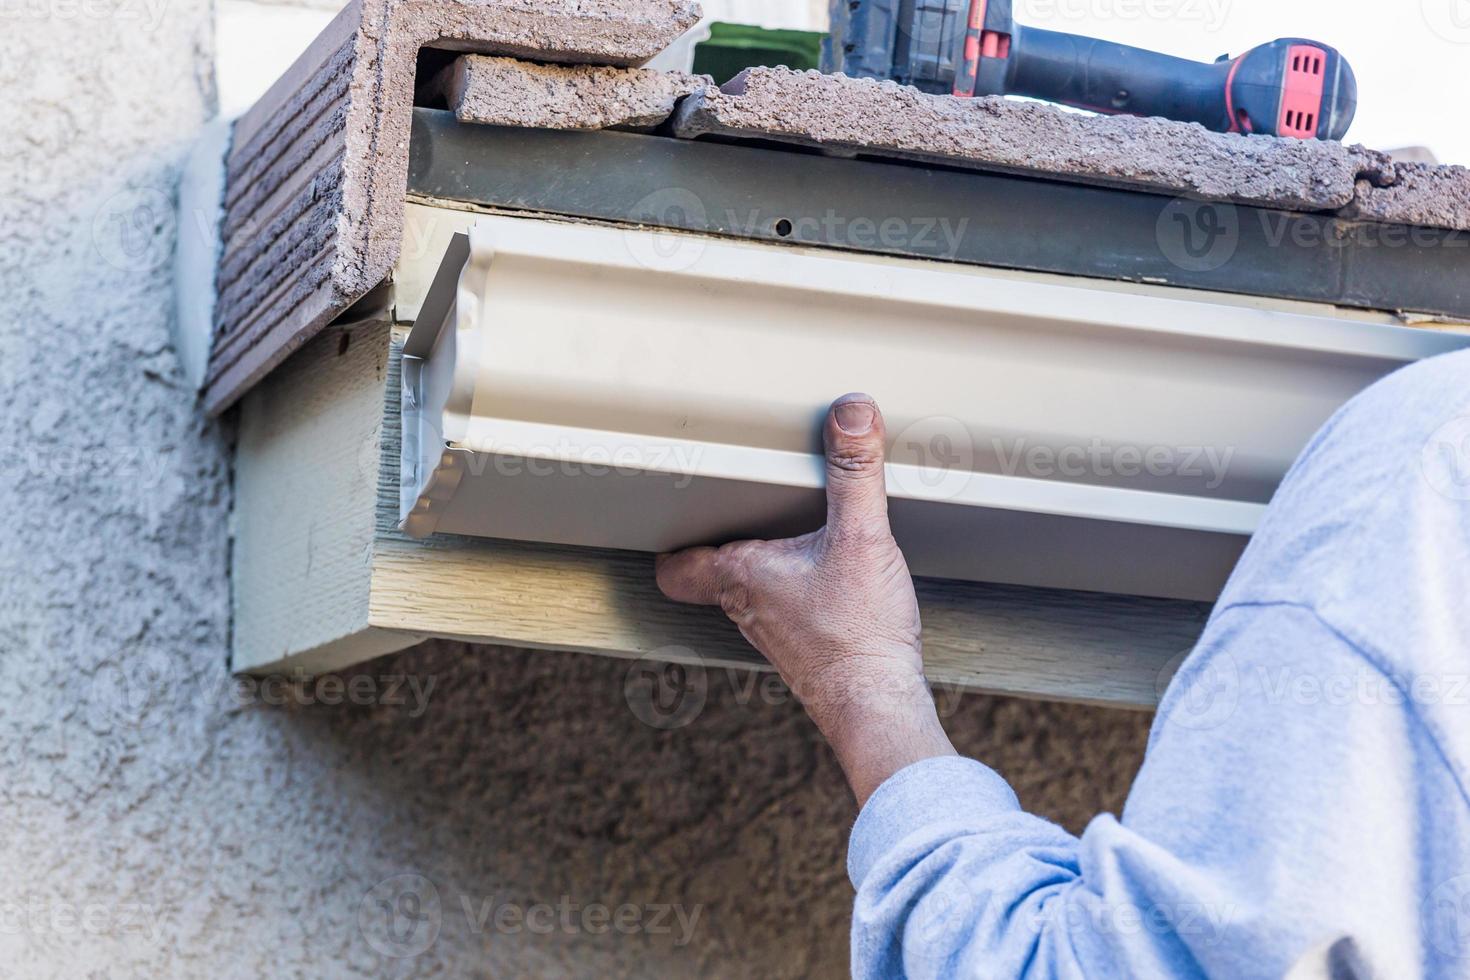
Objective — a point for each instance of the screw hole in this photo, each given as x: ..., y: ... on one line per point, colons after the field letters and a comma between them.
x: 784, y: 228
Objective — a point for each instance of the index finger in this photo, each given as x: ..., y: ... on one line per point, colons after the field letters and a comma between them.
x: 694, y: 576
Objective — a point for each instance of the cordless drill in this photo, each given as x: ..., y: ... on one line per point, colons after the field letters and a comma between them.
x: 1289, y: 87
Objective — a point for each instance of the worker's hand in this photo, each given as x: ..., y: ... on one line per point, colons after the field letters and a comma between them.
x: 834, y: 610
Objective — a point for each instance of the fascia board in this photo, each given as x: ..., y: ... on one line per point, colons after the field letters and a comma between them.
x: 675, y: 385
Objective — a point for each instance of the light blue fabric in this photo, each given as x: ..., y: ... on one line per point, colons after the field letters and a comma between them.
x: 1306, y: 774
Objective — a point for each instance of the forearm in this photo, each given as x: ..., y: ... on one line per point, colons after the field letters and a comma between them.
x: 879, y: 728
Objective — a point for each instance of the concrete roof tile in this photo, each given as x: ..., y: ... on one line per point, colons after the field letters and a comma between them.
x: 854, y: 115
x: 511, y: 92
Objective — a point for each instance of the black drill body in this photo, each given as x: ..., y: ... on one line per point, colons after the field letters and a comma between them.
x: 1290, y: 87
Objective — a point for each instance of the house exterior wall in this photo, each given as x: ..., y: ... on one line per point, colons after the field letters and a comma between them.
x: 450, y: 811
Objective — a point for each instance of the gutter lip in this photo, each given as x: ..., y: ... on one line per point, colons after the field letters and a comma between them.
x: 993, y: 491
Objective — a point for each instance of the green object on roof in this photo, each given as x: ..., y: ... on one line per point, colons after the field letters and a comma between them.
x: 732, y: 48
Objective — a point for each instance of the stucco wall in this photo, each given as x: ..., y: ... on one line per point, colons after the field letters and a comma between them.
x: 464, y: 812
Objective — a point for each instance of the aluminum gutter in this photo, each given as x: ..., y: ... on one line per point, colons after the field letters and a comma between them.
x: 646, y: 390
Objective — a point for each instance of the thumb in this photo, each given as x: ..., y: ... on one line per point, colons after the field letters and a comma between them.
x: 857, y: 496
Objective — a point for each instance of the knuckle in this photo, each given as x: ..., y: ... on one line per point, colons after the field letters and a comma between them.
x: 736, y: 602
x: 854, y: 458
x: 739, y: 566
x: 734, y: 560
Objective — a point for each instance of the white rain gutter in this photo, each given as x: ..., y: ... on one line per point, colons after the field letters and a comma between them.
x: 646, y: 390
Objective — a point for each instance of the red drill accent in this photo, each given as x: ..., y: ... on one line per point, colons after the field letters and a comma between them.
x: 979, y: 43
x: 1301, y: 92
x: 967, y: 74
x: 1238, y: 120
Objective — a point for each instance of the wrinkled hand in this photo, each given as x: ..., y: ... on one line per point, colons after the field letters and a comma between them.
x: 834, y: 611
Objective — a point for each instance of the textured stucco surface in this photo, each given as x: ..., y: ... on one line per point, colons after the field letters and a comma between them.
x: 155, y: 821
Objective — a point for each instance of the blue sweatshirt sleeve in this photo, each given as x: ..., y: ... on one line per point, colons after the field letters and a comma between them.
x: 1277, y: 752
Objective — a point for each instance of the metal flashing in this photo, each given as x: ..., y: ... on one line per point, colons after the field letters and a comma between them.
x: 788, y: 196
